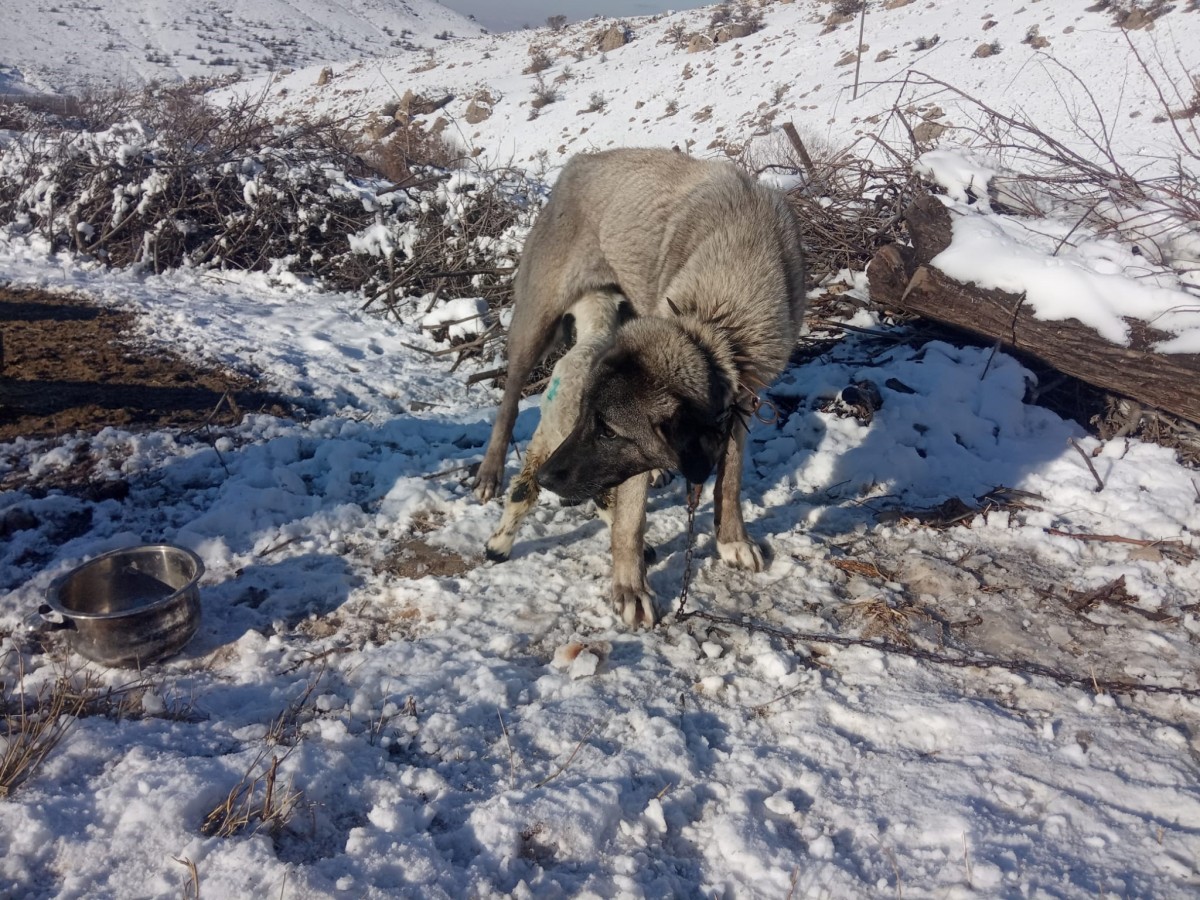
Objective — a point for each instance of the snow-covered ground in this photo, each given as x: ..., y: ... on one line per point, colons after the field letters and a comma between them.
x: 73, y: 45
x: 479, y: 729
x: 1083, y: 80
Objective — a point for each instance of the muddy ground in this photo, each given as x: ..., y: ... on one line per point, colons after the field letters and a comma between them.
x: 68, y: 366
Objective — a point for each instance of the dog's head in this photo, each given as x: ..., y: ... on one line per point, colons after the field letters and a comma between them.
x: 659, y: 398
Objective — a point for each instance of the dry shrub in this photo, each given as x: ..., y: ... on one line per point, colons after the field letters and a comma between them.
x: 1039, y: 174
x: 849, y: 204
x: 162, y: 179
x: 257, y: 802
x: 539, y: 61
x: 33, y: 727
x: 410, y: 150
x: 183, y: 183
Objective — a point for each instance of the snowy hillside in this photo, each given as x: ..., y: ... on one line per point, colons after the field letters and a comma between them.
x: 1050, y: 60
x: 63, y: 45
x: 970, y: 669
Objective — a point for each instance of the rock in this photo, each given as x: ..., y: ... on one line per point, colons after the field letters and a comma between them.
x: 611, y: 38
x: 1035, y: 40
x: 477, y: 113
x: 698, y: 43
x: 325, y: 76
x: 378, y: 128
x: 732, y: 31
x: 927, y: 132
x: 479, y: 108
x: 404, y: 107
x: 983, y: 51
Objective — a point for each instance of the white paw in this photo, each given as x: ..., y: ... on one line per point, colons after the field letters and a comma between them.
x: 741, y: 555
x: 634, y: 605
x: 660, y: 478
x: 499, y: 547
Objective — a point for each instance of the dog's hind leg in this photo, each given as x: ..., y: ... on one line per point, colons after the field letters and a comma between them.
x: 733, y: 544
x: 632, y: 598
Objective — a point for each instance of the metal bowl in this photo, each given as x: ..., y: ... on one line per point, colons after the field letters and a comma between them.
x: 128, y: 607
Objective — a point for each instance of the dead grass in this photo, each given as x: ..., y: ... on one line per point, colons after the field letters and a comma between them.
x: 33, y: 727
x: 258, y: 802
x: 891, y: 622
x: 35, y: 723
x: 414, y: 557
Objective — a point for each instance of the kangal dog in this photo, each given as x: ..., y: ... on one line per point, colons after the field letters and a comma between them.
x: 710, y: 262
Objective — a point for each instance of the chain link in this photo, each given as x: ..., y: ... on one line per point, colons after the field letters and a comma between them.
x: 693, y: 502
x: 967, y: 659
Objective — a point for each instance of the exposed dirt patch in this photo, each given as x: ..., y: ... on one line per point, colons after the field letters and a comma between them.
x: 67, y: 365
x: 414, y: 557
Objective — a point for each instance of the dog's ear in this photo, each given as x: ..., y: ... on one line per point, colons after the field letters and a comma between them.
x: 698, y: 442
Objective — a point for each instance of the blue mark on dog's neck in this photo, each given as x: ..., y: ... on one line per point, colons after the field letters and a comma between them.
x: 552, y: 390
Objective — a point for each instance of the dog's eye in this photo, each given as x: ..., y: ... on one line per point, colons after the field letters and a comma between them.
x: 605, y: 432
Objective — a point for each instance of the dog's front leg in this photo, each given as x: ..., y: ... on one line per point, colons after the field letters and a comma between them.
x: 632, y: 598
x: 733, y: 544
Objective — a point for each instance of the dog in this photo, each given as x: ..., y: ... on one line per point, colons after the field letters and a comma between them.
x: 711, y: 264
x: 588, y: 328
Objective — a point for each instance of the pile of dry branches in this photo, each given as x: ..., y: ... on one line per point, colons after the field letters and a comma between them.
x: 163, y: 179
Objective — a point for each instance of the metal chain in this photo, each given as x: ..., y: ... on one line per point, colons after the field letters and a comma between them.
x: 693, y: 502
x: 966, y: 661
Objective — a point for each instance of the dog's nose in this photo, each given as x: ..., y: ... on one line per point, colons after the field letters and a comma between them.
x: 553, y: 477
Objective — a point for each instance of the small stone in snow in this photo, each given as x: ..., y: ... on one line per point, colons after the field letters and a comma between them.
x: 654, y: 815
x: 584, y: 665
x: 780, y: 804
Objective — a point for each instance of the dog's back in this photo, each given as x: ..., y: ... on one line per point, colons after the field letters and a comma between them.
x: 678, y: 235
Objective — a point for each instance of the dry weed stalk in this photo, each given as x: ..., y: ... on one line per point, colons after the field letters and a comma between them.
x: 258, y: 800
x: 285, y: 728
x: 191, y: 889
x: 33, y: 728
x: 881, y: 619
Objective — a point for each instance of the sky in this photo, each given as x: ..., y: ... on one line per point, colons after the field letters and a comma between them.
x: 518, y: 13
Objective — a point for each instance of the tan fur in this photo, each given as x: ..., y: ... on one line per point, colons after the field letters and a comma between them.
x: 711, y: 262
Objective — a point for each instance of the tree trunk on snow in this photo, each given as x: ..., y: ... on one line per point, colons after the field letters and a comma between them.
x: 901, y: 278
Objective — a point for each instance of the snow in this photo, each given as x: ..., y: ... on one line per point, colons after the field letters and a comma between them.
x: 496, y: 730
x: 1063, y: 271
x: 71, y: 47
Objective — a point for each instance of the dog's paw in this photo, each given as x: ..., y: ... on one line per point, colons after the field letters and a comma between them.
x: 635, y: 605
x: 498, y: 549
x: 741, y: 555
x: 486, y: 488
x: 661, y: 478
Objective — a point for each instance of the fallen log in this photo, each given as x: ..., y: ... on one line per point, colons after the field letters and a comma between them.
x: 901, y: 278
